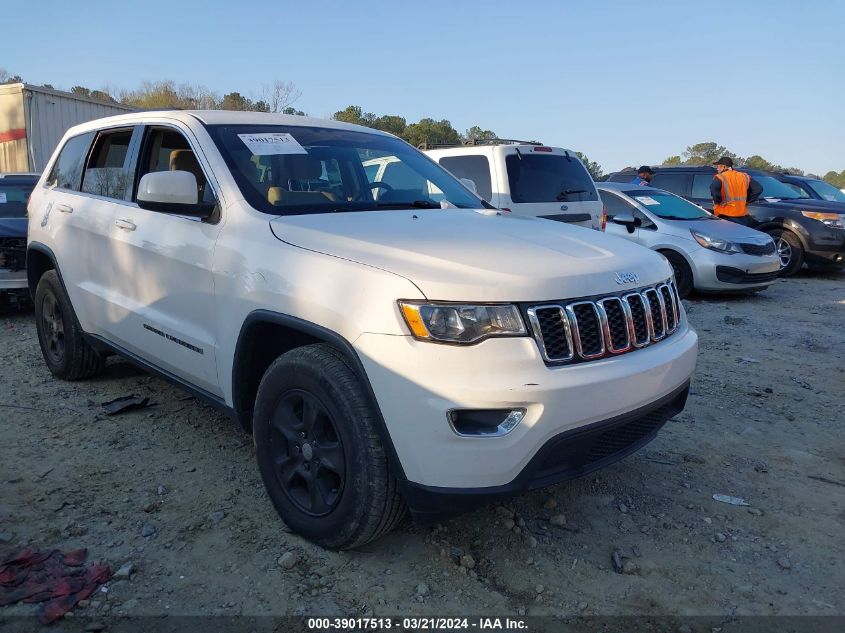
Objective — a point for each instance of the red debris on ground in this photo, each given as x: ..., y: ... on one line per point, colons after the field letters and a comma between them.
x: 57, y: 578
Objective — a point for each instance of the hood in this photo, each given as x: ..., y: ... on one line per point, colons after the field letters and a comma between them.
x: 462, y: 255
x: 810, y: 204
x: 13, y: 227
x: 726, y: 230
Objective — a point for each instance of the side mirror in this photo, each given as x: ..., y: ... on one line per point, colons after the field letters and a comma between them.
x: 172, y: 192
x: 627, y: 220
x: 470, y: 184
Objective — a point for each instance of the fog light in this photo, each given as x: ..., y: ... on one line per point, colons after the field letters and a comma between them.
x: 485, y: 422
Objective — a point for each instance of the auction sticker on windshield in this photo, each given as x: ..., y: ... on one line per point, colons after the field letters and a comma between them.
x: 646, y: 200
x: 270, y: 144
x: 2, y: 197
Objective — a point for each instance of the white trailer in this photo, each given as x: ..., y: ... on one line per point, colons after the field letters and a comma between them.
x: 34, y: 119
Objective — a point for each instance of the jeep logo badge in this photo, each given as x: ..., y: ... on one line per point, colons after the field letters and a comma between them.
x: 626, y: 278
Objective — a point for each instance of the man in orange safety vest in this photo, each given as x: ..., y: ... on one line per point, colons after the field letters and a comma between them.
x: 732, y: 191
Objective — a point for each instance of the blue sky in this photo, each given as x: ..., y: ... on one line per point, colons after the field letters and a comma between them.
x: 624, y: 82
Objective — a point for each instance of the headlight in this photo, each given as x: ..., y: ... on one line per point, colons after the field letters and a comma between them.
x: 833, y: 220
x: 459, y: 323
x: 715, y: 243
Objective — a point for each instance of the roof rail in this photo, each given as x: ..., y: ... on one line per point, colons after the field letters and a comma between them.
x: 476, y: 141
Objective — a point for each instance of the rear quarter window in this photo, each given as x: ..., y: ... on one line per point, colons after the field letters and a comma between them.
x: 476, y: 168
x: 67, y: 171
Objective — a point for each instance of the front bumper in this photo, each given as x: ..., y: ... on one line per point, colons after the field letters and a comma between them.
x: 13, y: 280
x: 823, y: 245
x: 568, y: 455
x: 722, y: 272
x: 417, y: 383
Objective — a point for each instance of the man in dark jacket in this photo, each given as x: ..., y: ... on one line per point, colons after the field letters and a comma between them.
x: 644, y: 176
x: 732, y: 191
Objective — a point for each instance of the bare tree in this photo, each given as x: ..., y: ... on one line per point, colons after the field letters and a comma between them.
x: 281, y: 95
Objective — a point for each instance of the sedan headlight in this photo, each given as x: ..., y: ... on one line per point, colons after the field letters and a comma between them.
x: 715, y: 243
x: 461, y: 323
x: 833, y: 220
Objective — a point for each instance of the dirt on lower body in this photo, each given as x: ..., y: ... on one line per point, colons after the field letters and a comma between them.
x: 171, y: 494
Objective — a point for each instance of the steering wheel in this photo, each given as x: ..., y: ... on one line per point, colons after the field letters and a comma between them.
x: 383, y: 185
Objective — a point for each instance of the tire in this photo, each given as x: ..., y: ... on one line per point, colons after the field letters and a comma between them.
x: 319, y: 451
x: 66, y: 352
x: 683, y: 273
x: 790, y: 251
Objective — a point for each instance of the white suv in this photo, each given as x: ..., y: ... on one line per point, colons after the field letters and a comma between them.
x: 527, y: 179
x: 385, y: 352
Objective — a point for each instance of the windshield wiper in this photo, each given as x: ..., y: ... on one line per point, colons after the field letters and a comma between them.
x: 562, y: 195
x: 416, y: 204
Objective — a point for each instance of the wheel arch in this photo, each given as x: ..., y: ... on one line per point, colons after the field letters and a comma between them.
x: 671, y: 249
x: 785, y: 225
x: 39, y: 259
x: 266, y: 335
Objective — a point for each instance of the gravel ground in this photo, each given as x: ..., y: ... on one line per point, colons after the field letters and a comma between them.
x: 174, y: 491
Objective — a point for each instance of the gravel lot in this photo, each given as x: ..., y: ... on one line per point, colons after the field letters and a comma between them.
x: 174, y: 490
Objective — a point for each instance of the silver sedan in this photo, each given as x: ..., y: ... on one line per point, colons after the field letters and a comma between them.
x: 707, y: 254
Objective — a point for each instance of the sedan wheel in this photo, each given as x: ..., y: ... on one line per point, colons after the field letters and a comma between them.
x: 784, y: 251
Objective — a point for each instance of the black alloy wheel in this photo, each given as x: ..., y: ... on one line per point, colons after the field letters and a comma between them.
x: 307, y: 453
x: 54, y: 328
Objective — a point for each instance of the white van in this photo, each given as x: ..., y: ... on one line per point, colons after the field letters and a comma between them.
x: 527, y: 179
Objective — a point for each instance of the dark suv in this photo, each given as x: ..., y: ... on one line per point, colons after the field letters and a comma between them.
x: 813, y: 188
x: 805, y: 230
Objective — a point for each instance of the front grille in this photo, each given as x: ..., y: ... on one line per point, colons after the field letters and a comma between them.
x: 758, y: 249
x: 588, y: 330
x: 730, y: 275
x: 12, y: 253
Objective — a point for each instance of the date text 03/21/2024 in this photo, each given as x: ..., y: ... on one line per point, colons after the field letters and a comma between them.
x: 411, y: 624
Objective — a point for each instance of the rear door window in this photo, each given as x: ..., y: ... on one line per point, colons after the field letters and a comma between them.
x: 701, y: 186
x: 67, y: 171
x: 109, y: 172
x: 476, y: 168
x: 548, y: 178
x: 676, y: 183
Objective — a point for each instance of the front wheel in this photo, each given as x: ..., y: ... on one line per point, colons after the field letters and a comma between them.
x: 319, y: 451
x: 789, y: 250
x: 683, y: 273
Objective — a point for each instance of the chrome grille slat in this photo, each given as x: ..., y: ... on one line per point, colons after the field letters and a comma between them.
x: 655, y: 309
x: 616, y: 324
x: 582, y: 330
x: 540, y: 316
x: 613, y: 309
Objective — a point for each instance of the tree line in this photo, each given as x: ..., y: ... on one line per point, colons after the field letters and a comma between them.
x: 280, y: 96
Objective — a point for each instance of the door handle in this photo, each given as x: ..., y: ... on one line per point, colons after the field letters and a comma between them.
x: 126, y: 225
x: 64, y: 208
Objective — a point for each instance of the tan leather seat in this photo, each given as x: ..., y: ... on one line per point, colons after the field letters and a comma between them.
x: 295, y: 169
x: 185, y: 160
x: 280, y: 195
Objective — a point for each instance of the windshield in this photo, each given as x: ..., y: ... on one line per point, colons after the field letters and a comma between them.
x: 826, y: 190
x: 13, y: 199
x: 293, y: 170
x: 548, y: 178
x: 668, y: 206
x: 773, y: 188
